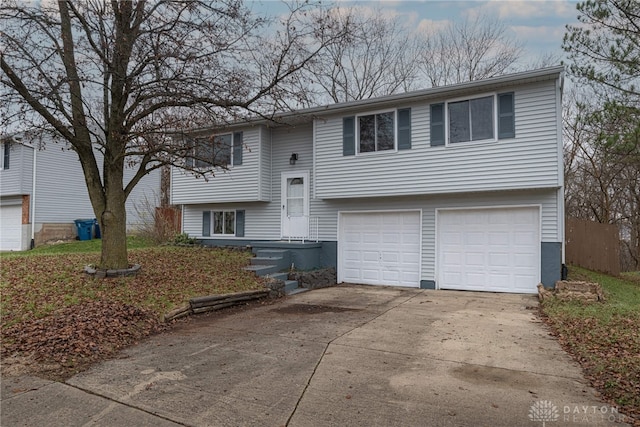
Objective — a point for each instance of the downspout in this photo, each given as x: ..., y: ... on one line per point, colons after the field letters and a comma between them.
x: 560, y: 197
x: 32, y: 200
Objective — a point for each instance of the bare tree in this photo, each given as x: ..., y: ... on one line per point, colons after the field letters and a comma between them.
x: 114, y: 76
x: 604, y: 57
x: 473, y: 49
x: 602, y: 183
x: 376, y: 59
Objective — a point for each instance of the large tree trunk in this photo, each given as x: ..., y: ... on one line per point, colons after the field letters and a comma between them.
x: 113, y: 227
x: 113, y: 218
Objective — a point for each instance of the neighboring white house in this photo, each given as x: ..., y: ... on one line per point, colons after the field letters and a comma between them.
x: 454, y: 187
x: 42, y: 192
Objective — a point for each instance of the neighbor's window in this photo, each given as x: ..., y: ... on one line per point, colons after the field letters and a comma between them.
x: 213, y: 151
x: 376, y: 132
x: 224, y: 223
x: 471, y: 120
x: 5, y: 147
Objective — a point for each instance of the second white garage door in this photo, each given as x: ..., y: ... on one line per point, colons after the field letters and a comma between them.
x: 379, y: 248
x: 494, y: 250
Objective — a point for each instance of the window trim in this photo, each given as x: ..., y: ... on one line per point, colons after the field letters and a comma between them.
x: 212, y: 216
x: 5, y: 154
x: 374, y: 113
x: 207, y: 139
x: 447, y: 138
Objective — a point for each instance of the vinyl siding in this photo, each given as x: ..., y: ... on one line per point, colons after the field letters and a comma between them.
x: 66, y: 198
x: 262, y: 221
x: 237, y: 184
x: 265, y: 164
x: 18, y: 178
x: 527, y: 161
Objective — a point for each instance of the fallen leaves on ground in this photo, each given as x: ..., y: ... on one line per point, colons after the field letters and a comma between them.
x: 56, y: 320
x: 609, y: 354
x: 74, y: 337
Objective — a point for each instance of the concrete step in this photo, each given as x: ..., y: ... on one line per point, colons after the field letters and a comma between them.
x: 290, y: 286
x: 272, y: 253
x: 280, y: 276
x: 261, y: 260
x: 263, y: 270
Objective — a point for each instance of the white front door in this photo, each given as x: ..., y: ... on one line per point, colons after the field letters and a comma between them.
x: 295, y: 205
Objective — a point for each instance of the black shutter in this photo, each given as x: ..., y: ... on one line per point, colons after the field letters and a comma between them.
x: 6, y: 155
x: 240, y: 223
x: 404, y: 129
x: 206, y: 223
x: 349, y: 136
x: 506, y: 116
x: 437, y: 124
x: 237, y: 149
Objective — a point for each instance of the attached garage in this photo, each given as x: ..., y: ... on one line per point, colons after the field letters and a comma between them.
x: 11, y: 227
x: 493, y: 249
x: 379, y: 248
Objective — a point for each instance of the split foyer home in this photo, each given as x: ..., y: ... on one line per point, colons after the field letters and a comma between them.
x: 42, y: 192
x: 453, y: 187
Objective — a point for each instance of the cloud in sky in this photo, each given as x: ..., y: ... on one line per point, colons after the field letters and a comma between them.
x: 519, y: 9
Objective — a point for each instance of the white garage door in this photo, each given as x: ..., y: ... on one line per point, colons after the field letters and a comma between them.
x: 494, y: 250
x: 10, y: 228
x: 379, y: 248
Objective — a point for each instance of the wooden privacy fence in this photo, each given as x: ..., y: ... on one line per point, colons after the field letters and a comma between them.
x: 168, y: 221
x: 593, y: 245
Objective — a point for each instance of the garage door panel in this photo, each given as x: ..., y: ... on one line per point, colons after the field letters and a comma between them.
x: 11, y: 227
x: 388, y: 248
x: 475, y: 238
x: 392, y: 258
x: 498, y: 259
x: 489, y: 249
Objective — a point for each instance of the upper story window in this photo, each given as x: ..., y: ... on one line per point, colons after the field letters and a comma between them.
x: 485, y: 118
x: 213, y: 151
x: 471, y: 120
x: 218, y: 150
x: 5, y: 155
x: 377, y: 132
x: 384, y: 131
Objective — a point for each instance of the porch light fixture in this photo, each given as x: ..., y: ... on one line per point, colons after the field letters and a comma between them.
x: 293, y: 158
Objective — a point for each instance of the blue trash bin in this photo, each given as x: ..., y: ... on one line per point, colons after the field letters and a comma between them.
x: 84, y: 227
x: 96, y: 229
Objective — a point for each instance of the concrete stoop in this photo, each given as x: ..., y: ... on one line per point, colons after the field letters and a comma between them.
x: 274, y: 263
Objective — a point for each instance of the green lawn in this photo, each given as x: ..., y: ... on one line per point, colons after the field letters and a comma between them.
x: 604, y: 337
x: 78, y: 246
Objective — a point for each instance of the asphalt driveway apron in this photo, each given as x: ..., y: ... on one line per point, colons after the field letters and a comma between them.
x: 343, y: 356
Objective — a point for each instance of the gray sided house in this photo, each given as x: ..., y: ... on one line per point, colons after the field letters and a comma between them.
x: 455, y: 187
x: 42, y: 192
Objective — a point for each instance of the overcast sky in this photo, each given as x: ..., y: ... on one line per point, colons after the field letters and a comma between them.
x: 539, y: 25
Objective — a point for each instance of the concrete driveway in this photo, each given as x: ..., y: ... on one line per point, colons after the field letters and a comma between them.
x: 343, y: 356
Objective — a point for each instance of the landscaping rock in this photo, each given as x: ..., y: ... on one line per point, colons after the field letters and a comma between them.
x: 275, y: 286
x: 315, y: 279
x: 573, y: 290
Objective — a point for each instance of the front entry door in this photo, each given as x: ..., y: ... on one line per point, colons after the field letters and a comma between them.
x: 295, y: 205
